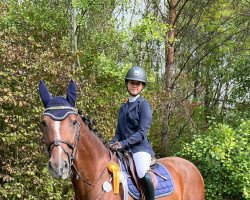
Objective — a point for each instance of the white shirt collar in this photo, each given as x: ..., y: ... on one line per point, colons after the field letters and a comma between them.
x: 132, y: 98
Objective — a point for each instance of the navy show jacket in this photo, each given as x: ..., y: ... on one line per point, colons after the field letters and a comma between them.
x: 133, y: 126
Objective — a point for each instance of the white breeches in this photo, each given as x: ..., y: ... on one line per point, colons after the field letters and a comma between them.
x: 142, y: 163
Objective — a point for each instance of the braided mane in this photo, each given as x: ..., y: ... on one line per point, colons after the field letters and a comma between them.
x: 91, y: 123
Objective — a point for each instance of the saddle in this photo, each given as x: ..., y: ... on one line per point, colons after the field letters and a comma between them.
x: 160, y: 176
x: 129, y: 164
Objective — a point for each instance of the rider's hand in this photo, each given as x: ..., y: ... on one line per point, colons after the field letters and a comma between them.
x: 116, y: 146
x: 111, y: 144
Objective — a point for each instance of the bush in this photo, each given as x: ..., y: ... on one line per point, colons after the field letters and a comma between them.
x: 222, y: 156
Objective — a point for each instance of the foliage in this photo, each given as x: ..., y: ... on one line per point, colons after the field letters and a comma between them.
x: 31, y: 47
x: 210, y: 48
x: 36, y: 43
x: 222, y: 155
x: 31, y: 19
x: 150, y: 29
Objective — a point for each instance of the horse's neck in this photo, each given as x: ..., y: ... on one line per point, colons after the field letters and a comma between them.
x: 91, y: 152
x: 91, y: 160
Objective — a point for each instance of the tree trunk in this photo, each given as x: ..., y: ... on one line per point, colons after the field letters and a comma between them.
x: 207, y: 97
x: 196, y: 83
x: 74, y: 36
x: 169, y: 56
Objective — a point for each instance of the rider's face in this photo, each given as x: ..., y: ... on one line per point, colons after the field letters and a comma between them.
x: 135, y: 87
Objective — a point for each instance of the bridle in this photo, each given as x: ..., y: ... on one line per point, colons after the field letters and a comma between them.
x: 73, y: 147
x: 54, y: 143
x: 71, y: 157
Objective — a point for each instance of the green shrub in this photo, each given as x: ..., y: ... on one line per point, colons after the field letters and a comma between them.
x: 222, y: 156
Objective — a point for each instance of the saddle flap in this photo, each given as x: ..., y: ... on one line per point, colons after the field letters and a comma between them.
x: 130, y: 166
x: 160, y: 176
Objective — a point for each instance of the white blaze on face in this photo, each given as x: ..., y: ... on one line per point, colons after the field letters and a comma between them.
x: 58, y: 137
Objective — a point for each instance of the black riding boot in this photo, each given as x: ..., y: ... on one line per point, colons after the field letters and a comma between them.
x: 148, y: 187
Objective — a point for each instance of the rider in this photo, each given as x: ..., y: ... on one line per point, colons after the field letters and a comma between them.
x: 134, y: 122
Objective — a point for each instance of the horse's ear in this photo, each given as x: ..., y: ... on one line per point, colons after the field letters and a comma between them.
x: 71, y: 93
x: 44, y: 93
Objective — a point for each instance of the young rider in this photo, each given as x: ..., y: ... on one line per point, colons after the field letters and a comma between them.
x: 134, y: 122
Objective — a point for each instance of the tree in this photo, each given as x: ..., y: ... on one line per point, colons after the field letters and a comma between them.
x: 200, y: 83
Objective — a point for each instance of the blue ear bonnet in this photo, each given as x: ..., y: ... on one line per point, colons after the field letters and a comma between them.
x: 59, y: 108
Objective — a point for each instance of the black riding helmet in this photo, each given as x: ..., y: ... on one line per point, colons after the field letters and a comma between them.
x: 136, y: 74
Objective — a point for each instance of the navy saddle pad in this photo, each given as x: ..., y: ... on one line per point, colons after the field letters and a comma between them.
x: 165, y: 184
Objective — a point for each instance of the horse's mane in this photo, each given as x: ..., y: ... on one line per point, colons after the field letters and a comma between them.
x: 91, y: 124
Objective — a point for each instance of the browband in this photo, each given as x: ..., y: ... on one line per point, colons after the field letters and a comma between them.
x: 61, y: 108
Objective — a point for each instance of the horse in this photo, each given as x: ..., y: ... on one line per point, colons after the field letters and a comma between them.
x: 76, y: 152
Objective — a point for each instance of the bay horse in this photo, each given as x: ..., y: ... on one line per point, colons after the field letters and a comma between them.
x: 76, y: 152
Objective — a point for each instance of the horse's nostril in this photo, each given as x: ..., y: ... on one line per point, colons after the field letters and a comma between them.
x: 49, y: 164
x: 66, y: 164
x: 64, y: 167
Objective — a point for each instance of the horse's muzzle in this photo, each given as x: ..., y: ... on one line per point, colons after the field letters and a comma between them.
x: 59, y: 169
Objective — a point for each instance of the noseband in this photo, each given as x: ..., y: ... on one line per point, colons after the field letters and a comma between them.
x: 73, y: 147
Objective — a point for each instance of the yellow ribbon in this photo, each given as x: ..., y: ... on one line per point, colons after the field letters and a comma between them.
x: 115, y: 169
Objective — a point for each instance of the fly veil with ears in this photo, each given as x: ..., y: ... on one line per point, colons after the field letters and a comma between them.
x: 59, y: 107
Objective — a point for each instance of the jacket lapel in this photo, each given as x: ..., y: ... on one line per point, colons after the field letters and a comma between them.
x: 135, y: 103
x: 125, y: 108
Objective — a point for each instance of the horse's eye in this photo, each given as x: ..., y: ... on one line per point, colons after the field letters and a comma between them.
x: 74, y: 122
x: 43, y: 123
